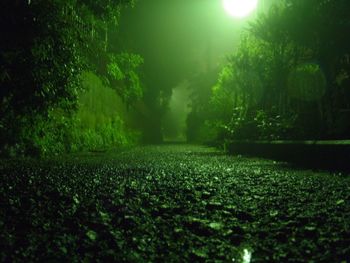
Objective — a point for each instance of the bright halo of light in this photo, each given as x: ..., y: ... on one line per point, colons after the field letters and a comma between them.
x: 240, y: 8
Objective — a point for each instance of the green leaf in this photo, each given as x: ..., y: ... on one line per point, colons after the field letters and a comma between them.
x: 92, y: 235
x: 216, y: 225
x: 105, y: 217
x: 339, y: 202
x: 273, y: 213
x: 310, y: 228
x: 76, y: 200
x: 201, y: 252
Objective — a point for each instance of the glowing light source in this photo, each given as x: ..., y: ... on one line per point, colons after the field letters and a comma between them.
x: 240, y: 8
x: 247, y: 256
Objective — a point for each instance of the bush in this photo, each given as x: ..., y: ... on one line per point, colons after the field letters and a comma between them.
x: 261, y: 125
x: 110, y: 133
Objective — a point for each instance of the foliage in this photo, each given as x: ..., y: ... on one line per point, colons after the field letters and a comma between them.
x: 43, y: 135
x: 44, y: 48
x: 122, y: 70
x: 286, y: 80
x: 248, y: 89
x: 110, y: 133
x: 100, y: 118
x: 307, y: 82
x: 200, y: 120
x: 261, y: 125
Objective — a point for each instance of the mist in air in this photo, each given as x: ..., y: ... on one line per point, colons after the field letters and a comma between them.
x: 174, y: 130
x: 179, y: 40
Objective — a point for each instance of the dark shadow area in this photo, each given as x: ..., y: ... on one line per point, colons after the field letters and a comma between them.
x: 314, y: 156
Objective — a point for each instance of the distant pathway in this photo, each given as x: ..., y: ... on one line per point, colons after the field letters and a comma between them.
x: 173, y: 203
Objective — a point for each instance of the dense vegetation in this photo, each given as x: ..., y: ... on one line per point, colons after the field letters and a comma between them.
x: 46, y: 50
x: 68, y: 83
x: 288, y: 78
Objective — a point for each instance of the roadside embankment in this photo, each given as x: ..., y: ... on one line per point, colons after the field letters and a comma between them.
x: 332, y: 154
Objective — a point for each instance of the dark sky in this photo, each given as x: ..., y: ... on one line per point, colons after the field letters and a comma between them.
x: 178, y: 38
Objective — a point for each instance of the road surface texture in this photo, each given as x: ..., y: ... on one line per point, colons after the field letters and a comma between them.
x: 171, y: 203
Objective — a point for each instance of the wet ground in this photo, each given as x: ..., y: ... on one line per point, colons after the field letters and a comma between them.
x: 172, y: 203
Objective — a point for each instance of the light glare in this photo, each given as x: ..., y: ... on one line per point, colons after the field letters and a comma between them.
x: 240, y: 8
x: 247, y: 256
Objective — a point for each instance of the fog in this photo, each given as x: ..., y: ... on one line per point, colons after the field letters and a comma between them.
x: 178, y: 40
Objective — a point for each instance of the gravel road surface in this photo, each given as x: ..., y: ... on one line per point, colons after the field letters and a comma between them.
x: 171, y: 203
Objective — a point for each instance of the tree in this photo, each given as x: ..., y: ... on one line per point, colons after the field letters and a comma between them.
x: 318, y: 31
x: 45, y: 46
x: 290, y: 69
x: 122, y: 75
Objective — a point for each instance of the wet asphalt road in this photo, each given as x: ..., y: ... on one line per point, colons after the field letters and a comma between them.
x: 171, y: 203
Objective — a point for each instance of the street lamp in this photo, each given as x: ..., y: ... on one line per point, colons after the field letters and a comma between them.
x: 240, y: 8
